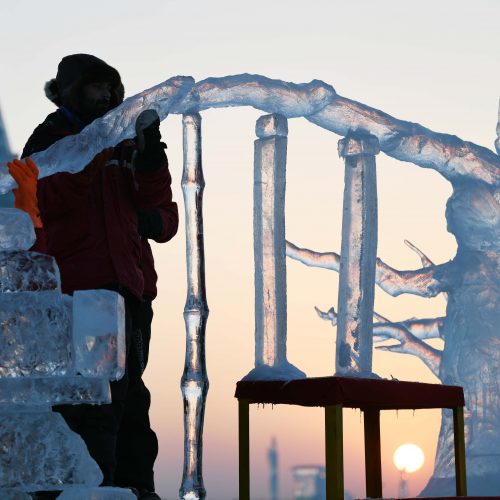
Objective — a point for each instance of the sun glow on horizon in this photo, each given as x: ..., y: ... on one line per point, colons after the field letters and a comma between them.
x: 408, y: 458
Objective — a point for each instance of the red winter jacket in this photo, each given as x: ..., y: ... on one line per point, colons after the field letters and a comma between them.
x: 91, y: 218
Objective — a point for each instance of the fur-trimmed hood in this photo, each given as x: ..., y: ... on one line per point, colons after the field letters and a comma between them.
x: 76, y: 70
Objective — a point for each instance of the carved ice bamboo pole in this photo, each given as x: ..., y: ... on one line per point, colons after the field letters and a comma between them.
x: 194, y: 382
x: 358, y: 255
x: 269, y: 250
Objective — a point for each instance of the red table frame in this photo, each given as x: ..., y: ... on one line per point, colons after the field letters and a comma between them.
x: 335, y: 393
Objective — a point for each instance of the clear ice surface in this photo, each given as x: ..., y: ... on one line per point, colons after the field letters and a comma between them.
x: 16, y: 228
x: 12, y: 494
x: 53, y: 391
x: 102, y: 493
x: 269, y: 252
x: 35, y: 332
x: 194, y: 381
x: 40, y: 452
x: 22, y: 271
x: 99, y: 333
x: 359, y: 251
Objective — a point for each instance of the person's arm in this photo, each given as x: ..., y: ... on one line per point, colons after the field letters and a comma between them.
x: 157, y: 214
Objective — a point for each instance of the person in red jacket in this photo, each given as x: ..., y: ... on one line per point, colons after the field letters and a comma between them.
x: 97, y: 224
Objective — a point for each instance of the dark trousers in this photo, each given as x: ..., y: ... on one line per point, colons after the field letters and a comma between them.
x: 118, y: 435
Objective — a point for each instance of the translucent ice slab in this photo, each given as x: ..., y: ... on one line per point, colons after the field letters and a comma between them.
x: 16, y: 228
x: 14, y: 495
x: 103, y: 493
x: 40, y: 452
x: 22, y: 271
x: 36, y: 334
x: 52, y: 391
x: 99, y: 333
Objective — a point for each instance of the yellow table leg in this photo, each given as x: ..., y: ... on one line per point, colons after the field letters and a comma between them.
x: 373, y: 466
x: 334, y: 453
x: 244, y: 448
x: 458, y: 432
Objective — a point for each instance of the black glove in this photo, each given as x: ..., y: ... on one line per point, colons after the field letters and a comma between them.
x: 151, y: 151
x: 150, y: 224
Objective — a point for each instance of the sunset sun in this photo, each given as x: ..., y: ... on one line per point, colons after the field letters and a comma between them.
x: 408, y: 458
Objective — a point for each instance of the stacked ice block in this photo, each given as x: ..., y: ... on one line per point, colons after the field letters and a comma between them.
x: 54, y: 349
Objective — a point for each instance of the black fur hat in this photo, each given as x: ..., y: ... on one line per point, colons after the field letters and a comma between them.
x: 76, y: 70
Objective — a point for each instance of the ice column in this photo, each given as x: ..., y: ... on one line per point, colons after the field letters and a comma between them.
x: 269, y: 251
x: 358, y: 255
x: 194, y: 382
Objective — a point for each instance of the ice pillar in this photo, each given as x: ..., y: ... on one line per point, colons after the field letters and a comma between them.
x: 194, y: 382
x: 269, y: 250
x: 358, y: 255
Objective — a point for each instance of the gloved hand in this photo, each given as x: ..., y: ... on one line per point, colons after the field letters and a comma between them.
x: 149, y: 224
x: 151, y: 155
x: 26, y: 175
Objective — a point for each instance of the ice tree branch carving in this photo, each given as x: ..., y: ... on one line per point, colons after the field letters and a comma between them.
x: 423, y: 282
x: 409, y: 333
x: 408, y: 344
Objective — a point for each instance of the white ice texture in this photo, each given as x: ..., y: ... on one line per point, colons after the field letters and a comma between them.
x: 43, y: 391
x: 99, y: 333
x: 16, y: 228
x: 22, y: 271
x: 13, y: 494
x: 35, y: 332
x: 359, y: 251
x: 269, y: 252
x: 40, y: 452
x: 102, y: 493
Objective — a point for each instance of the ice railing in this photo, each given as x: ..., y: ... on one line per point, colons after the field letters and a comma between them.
x: 365, y: 132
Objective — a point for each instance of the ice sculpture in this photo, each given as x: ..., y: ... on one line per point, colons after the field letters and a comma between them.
x: 74, y: 152
x: 470, y: 357
x: 359, y: 251
x: 46, y: 359
x: 269, y: 251
x: 194, y: 382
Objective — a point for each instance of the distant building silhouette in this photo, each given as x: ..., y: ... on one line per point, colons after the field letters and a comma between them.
x: 6, y: 200
x: 272, y: 456
x: 309, y: 482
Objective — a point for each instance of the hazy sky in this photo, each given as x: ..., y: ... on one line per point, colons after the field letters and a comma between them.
x: 432, y: 62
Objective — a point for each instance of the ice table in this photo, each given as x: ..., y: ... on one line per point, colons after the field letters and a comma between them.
x: 335, y: 393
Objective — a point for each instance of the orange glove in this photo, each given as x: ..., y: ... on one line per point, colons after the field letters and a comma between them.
x: 26, y: 176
